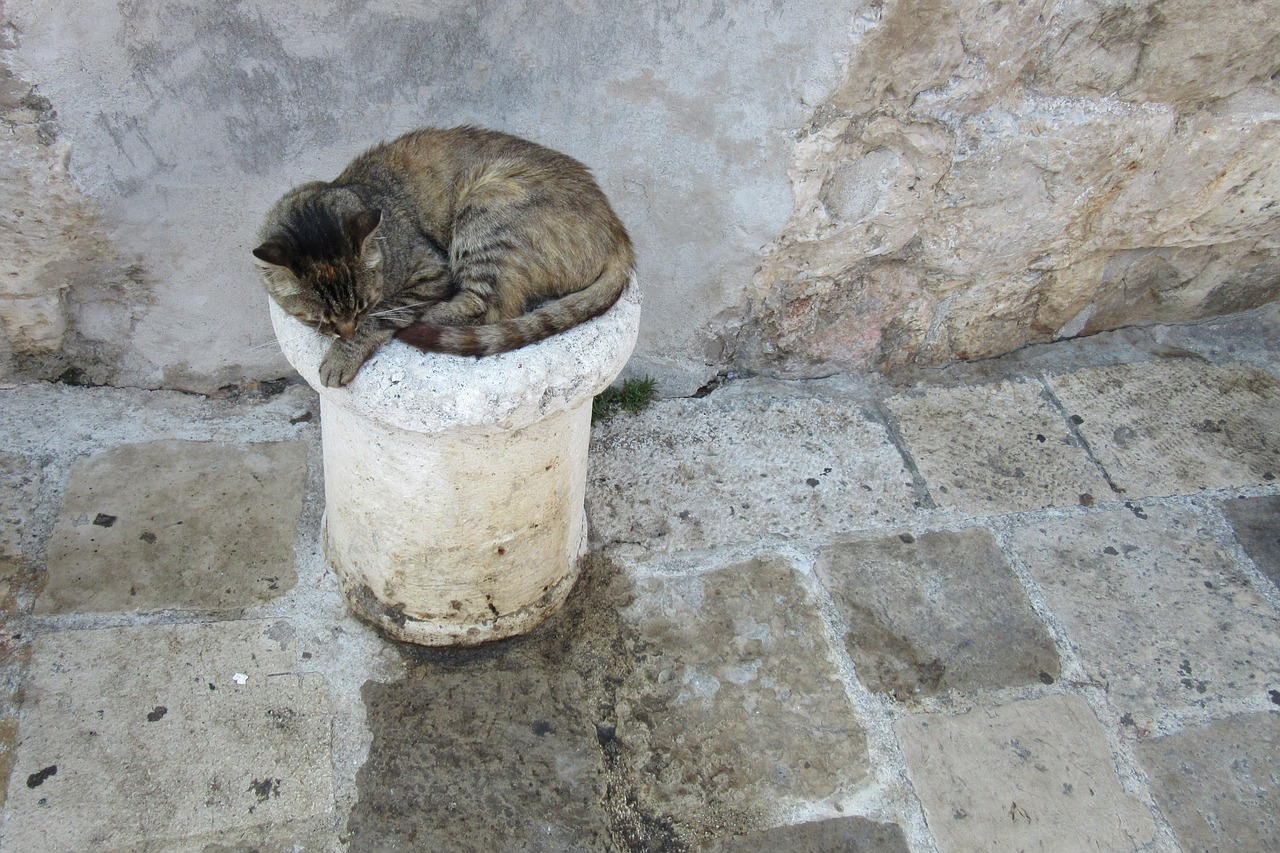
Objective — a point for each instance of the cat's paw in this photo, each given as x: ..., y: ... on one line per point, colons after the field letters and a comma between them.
x: 339, y: 366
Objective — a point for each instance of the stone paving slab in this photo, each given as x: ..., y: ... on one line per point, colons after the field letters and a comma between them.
x: 694, y: 473
x: 1156, y: 608
x: 1219, y: 784
x: 1257, y: 526
x: 838, y: 835
x: 941, y: 611
x: 176, y: 524
x: 1177, y: 426
x: 1029, y: 775
x: 475, y: 757
x: 138, y: 738
x: 996, y: 448
x: 735, y: 702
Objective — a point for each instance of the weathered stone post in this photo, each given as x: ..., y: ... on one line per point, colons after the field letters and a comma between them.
x: 455, y: 486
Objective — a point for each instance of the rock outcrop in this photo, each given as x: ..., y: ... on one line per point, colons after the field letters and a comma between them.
x: 992, y: 174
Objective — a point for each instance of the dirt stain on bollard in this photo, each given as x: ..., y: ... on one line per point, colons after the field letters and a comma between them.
x: 513, y: 745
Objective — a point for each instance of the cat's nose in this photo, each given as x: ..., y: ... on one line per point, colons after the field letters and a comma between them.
x: 345, y: 328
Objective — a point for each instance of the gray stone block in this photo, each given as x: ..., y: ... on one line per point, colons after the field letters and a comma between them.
x: 694, y: 473
x: 1177, y: 426
x: 473, y: 758
x: 1257, y: 525
x: 734, y: 701
x: 138, y: 738
x: 1219, y: 784
x: 1032, y: 775
x: 176, y: 524
x: 1157, y: 611
x: 996, y: 448
x: 938, y: 612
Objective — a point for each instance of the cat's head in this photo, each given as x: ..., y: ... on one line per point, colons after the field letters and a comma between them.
x: 322, y: 265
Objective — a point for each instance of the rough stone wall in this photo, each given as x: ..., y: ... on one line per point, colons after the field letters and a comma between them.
x: 812, y: 186
x: 991, y: 174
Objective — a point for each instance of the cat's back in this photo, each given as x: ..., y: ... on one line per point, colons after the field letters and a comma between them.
x: 467, y: 147
x: 448, y: 160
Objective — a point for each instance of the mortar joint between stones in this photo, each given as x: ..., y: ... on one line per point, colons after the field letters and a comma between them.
x: 918, y: 483
x: 1074, y: 429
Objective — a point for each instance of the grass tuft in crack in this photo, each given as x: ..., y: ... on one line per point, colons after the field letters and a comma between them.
x: 632, y: 396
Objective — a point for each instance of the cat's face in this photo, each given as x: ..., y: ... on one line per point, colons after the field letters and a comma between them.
x: 330, y: 297
x: 329, y: 284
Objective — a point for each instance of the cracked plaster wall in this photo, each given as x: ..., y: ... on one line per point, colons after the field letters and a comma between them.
x: 811, y: 186
x: 68, y: 296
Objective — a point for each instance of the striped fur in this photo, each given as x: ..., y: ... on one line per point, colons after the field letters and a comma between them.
x: 542, y: 322
x: 461, y: 241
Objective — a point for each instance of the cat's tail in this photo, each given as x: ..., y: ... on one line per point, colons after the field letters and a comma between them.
x: 544, y: 321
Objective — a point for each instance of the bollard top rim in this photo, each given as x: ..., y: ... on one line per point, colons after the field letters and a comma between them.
x: 405, y: 388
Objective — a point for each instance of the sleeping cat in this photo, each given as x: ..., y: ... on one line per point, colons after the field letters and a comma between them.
x: 463, y: 241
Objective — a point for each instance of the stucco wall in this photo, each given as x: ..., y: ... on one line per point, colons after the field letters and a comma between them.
x: 811, y: 186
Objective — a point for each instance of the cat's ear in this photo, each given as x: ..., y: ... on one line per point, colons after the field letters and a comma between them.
x: 274, y: 253
x: 363, y: 227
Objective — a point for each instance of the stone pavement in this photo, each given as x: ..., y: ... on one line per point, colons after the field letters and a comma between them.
x: 1025, y: 604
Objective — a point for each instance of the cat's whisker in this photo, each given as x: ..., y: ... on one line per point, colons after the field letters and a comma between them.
x: 409, y: 305
x: 399, y: 309
x: 255, y: 347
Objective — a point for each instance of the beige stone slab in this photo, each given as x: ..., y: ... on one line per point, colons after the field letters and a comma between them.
x: 137, y: 738
x: 694, y: 473
x: 176, y: 524
x: 1177, y: 426
x: 1156, y: 609
x: 734, y: 702
x: 1219, y: 784
x: 1032, y: 775
x: 996, y: 448
x: 937, y: 612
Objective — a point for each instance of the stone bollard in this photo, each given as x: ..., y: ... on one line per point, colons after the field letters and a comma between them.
x: 455, y: 486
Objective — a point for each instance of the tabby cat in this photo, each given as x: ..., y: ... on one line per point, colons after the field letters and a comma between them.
x: 463, y: 241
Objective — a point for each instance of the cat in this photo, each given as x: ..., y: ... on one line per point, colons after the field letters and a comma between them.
x: 460, y: 240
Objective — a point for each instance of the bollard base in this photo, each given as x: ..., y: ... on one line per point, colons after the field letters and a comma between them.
x: 440, y: 630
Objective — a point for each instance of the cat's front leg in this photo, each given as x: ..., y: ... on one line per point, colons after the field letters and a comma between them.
x: 464, y: 309
x: 346, y: 355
